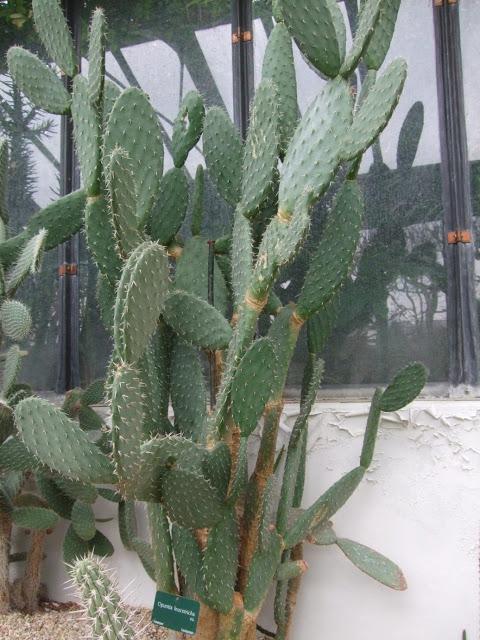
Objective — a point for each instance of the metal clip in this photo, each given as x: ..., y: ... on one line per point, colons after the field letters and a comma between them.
x: 67, y: 269
x: 460, y: 236
x: 241, y: 36
x: 440, y: 3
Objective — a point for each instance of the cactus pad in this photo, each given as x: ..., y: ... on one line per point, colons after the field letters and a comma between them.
x: 367, y: 20
x: 140, y: 299
x: 121, y: 190
x: 223, y: 154
x: 133, y: 125
x: 375, y: 111
x: 188, y: 390
x: 404, y: 388
x: 380, y: 41
x: 34, y: 518
x: 59, y: 443
x: 187, y: 127
x: 101, y: 238
x: 279, y: 68
x: 83, y: 520
x: 171, y: 208
x: 261, y: 150
x: 96, y: 57
x: 196, y: 321
x: 316, y: 146
x: 318, y: 28
x: 37, y: 81
x: 220, y: 563
x: 374, y: 564
x: 86, y: 129
x: 253, y: 384
x: 333, y: 258
x: 55, y: 34
x: 190, y: 500
x: 15, y: 320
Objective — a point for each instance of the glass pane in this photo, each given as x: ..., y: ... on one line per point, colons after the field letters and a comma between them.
x: 34, y: 138
x: 166, y: 49
x: 393, y: 308
x: 469, y: 21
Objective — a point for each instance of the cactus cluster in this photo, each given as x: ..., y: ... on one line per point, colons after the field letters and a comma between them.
x: 217, y: 532
x: 31, y: 497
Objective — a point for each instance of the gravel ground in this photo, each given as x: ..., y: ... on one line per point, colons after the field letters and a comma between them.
x: 63, y: 622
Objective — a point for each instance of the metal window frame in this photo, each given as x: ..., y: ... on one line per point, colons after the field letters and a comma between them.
x: 462, y: 320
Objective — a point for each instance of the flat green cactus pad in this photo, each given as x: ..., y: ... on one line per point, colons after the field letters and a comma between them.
x: 379, y: 43
x: 262, y: 570
x: 196, y: 321
x: 404, y: 388
x: 316, y: 146
x: 191, y: 274
x: 375, y: 111
x: 188, y: 557
x: 37, y: 81
x: 330, y: 264
x: 190, y: 500
x: 59, y: 443
x: 34, y: 518
x: 187, y: 127
x: 325, y: 507
x: 261, y: 150
x: 188, y: 390
x: 96, y: 57
x: 60, y: 219
x: 74, y: 548
x: 367, y: 20
x: 171, y: 208
x: 134, y: 126
x: 140, y: 299
x: 86, y: 129
x: 253, y: 384
x: 83, y: 520
x: 223, y: 154
x: 11, y: 369
x: 101, y: 238
x: 197, y: 201
x: 27, y: 262
x: 374, y: 564
x: 15, y: 320
x: 319, y: 30
x: 121, y: 188
x: 279, y: 68
x: 127, y: 424
x: 55, y: 34
x: 220, y: 563
x: 241, y: 257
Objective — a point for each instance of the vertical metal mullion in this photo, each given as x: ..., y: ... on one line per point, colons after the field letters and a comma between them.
x: 242, y: 59
x: 462, y: 321
x: 68, y: 367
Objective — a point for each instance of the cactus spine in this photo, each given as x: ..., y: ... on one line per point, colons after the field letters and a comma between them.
x: 217, y: 534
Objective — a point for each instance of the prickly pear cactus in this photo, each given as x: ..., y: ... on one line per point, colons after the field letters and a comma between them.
x: 217, y: 533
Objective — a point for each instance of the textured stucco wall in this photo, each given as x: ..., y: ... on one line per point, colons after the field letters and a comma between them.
x: 419, y: 505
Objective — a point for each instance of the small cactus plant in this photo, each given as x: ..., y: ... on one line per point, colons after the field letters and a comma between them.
x: 217, y: 533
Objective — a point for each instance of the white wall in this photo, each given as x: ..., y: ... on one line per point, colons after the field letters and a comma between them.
x: 419, y: 505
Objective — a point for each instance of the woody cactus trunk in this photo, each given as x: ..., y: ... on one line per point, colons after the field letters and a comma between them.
x: 218, y: 533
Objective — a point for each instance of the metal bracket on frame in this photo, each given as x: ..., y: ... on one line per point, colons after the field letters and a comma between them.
x: 460, y: 236
x: 242, y: 36
x: 440, y: 3
x: 67, y: 269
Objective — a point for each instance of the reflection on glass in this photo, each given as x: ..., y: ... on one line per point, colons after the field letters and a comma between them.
x: 33, y: 182
x: 469, y: 14
x: 166, y: 49
x: 393, y: 308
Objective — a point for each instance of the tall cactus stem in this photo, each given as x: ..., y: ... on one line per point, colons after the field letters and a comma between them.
x: 33, y: 567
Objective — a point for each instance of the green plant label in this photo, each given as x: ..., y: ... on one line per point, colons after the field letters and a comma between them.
x: 176, y: 613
